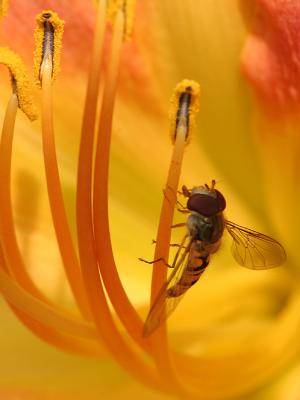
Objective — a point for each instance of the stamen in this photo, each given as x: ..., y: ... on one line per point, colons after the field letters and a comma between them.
x: 7, y: 230
x: 181, y: 111
x: 108, y: 268
x: 121, y: 351
x: 54, y: 326
x: 20, y: 81
x: 13, y: 264
x: 184, y: 107
x: 48, y: 41
x: 3, y: 7
x: 46, y: 313
x: 128, y: 8
x: 48, y: 70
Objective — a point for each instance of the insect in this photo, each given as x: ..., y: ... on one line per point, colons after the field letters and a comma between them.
x: 205, y: 227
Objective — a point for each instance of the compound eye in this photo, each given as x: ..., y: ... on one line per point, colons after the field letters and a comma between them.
x: 206, y: 204
x: 221, y: 201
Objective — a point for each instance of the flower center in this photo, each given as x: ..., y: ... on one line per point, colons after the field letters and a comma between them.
x: 93, y: 276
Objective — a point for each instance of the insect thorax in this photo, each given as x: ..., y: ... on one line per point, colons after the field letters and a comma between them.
x: 206, y: 229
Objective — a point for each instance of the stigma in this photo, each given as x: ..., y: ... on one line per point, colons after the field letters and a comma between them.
x: 48, y: 39
x: 184, y: 107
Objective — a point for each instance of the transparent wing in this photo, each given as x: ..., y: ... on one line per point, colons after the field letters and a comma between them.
x: 164, y: 305
x: 255, y: 250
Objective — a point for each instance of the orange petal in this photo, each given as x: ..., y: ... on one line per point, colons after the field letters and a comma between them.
x: 271, y: 56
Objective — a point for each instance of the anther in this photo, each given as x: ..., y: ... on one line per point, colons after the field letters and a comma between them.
x: 184, y: 106
x: 3, y: 7
x: 48, y: 38
x: 48, y: 46
x: 47, y: 15
x: 19, y: 80
x: 128, y: 9
x: 14, y: 85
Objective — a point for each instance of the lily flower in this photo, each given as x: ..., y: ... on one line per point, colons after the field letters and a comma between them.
x: 86, y: 186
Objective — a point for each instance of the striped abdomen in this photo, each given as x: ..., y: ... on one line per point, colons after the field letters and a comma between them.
x: 196, y: 265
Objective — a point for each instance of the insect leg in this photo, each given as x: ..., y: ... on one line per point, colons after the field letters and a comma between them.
x: 171, y: 244
x: 185, y: 191
x: 156, y: 261
x: 165, y: 192
x: 182, y: 208
x: 165, y: 195
x: 181, y: 246
x: 179, y: 225
x: 183, y: 211
x: 181, y: 205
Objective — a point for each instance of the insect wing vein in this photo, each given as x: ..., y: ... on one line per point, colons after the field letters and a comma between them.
x: 254, y: 250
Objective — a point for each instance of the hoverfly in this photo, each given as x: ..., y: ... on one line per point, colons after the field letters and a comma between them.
x: 205, y: 228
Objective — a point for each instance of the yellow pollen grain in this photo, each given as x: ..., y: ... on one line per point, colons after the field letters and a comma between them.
x: 39, y: 36
x: 3, y: 7
x: 193, y: 89
x: 20, y: 81
x: 128, y: 7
